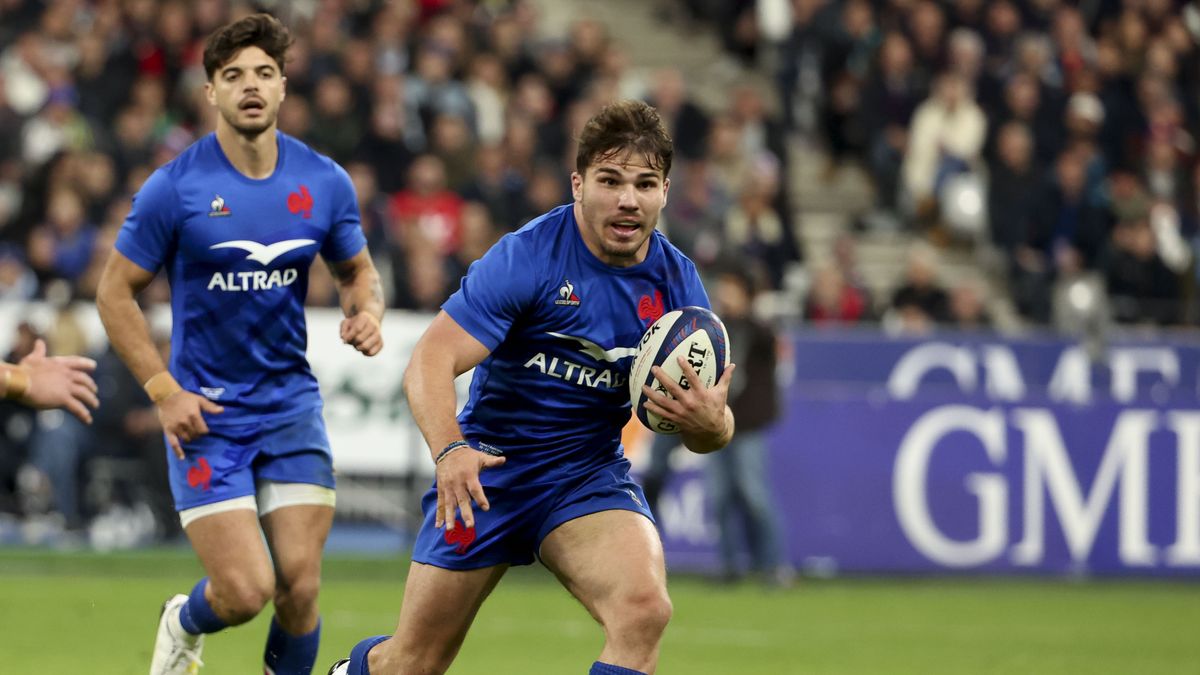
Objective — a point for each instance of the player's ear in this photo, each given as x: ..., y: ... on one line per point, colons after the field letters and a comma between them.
x: 666, y: 189
x: 210, y: 92
x: 576, y: 186
x: 283, y: 88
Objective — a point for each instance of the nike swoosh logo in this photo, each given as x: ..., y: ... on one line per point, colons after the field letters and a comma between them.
x: 265, y: 254
x: 596, y: 351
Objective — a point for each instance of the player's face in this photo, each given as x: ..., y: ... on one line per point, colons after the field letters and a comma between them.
x: 247, y: 91
x: 617, y: 202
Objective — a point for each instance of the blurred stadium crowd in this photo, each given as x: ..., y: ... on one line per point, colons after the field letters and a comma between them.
x: 1062, y: 137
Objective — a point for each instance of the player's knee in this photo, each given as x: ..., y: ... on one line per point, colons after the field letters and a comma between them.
x: 655, y: 613
x: 243, y: 597
x: 643, y: 613
x: 299, y: 591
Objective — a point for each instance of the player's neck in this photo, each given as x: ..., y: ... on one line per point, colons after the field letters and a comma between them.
x: 252, y: 156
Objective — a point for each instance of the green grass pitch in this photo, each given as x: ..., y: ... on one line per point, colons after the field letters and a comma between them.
x: 75, y: 613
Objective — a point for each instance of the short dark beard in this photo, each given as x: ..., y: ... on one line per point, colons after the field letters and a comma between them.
x: 249, y: 133
x: 608, y: 250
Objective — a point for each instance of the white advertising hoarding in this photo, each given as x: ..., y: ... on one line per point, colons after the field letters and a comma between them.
x: 370, y: 427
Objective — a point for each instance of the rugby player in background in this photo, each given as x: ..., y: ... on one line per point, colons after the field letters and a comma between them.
x: 236, y: 221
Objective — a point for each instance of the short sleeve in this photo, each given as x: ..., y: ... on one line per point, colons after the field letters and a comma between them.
x: 149, y: 234
x: 694, y: 294
x: 346, y: 237
x: 495, y: 291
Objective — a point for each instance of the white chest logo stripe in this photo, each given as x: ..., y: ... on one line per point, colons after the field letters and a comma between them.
x: 596, y: 351
x: 264, y: 254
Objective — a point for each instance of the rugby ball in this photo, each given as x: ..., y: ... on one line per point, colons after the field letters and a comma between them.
x: 694, y: 333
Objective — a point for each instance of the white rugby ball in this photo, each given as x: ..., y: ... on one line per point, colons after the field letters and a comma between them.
x: 694, y: 333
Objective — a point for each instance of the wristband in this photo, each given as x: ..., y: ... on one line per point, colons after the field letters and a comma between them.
x: 449, y: 449
x: 16, y: 383
x: 161, y: 387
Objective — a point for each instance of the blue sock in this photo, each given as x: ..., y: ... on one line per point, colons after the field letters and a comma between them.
x: 288, y: 654
x: 358, y: 655
x: 197, y: 616
x: 609, y: 669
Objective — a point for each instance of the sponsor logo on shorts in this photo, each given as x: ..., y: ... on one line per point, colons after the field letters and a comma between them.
x: 460, y: 537
x: 200, y: 476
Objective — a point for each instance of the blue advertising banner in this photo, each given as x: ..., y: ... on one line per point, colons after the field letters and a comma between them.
x: 982, y: 454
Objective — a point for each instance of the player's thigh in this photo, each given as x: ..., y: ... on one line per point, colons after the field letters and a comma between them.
x: 296, y: 533
x: 230, y: 547
x: 606, y: 559
x: 440, y: 604
x: 293, y: 473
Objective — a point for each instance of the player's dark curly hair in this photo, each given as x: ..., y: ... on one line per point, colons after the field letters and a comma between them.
x: 257, y: 30
x: 625, y: 127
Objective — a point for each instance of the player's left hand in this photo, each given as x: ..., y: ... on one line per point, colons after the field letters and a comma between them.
x: 458, y: 485
x: 363, y: 332
x: 699, y: 411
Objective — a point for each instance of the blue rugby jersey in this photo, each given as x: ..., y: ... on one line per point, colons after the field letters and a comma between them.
x: 563, y: 327
x: 237, y: 252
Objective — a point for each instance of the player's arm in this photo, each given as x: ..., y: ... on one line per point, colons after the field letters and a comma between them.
x: 444, y: 352
x: 361, y: 296
x: 39, y: 381
x: 706, y: 423
x: 179, y: 410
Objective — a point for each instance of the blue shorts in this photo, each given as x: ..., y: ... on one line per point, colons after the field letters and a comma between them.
x: 228, y: 462
x: 522, y: 516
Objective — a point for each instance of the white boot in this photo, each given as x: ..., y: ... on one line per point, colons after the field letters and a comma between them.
x: 176, y: 651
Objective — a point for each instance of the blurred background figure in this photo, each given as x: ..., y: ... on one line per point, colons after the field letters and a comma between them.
x: 17, y: 280
x: 126, y: 462
x: 920, y: 303
x: 737, y: 477
x: 58, y: 447
x: 968, y: 308
x: 945, y: 139
x: 832, y: 300
x: 657, y: 470
x: 16, y: 483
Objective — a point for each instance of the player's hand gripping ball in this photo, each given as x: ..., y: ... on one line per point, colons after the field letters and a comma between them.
x: 694, y: 333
